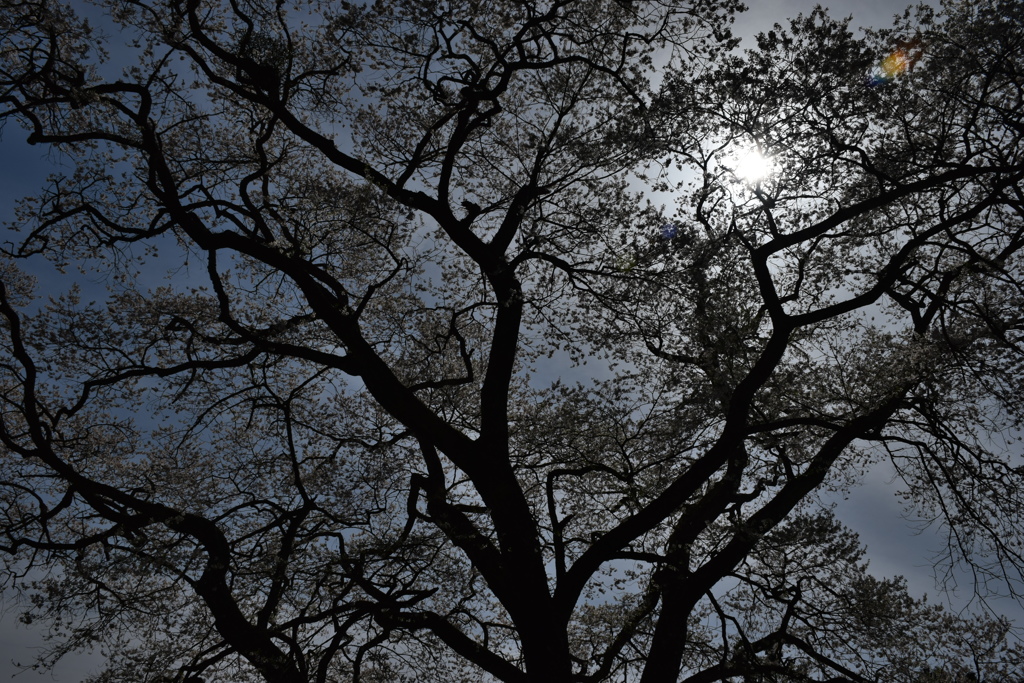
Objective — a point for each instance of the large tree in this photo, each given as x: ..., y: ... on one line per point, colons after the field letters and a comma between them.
x: 481, y: 354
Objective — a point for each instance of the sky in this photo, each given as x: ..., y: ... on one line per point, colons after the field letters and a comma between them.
x: 895, y: 546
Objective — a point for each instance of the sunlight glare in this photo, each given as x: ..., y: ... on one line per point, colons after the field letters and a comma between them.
x: 752, y: 166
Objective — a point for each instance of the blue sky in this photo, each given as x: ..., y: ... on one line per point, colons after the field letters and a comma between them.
x: 872, y: 509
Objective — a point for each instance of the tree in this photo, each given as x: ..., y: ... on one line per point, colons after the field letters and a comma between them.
x: 328, y: 446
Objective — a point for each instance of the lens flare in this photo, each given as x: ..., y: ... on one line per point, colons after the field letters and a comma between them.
x: 896, y: 63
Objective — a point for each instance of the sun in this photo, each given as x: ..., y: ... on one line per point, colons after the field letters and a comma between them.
x: 750, y: 165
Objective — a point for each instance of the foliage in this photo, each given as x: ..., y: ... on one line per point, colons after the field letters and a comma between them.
x: 333, y: 443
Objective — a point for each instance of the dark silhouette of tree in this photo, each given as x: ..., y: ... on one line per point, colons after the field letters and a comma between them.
x: 332, y: 444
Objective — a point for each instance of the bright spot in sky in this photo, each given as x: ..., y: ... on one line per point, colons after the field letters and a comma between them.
x: 896, y: 63
x: 751, y: 166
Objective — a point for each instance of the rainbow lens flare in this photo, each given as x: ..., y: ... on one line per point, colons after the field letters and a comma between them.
x: 897, y: 62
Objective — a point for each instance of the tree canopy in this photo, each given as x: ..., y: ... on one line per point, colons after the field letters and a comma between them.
x: 458, y: 341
